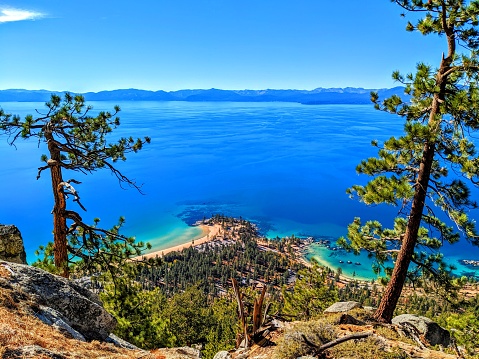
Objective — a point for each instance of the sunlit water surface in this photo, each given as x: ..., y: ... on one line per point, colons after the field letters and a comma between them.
x: 284, y: 166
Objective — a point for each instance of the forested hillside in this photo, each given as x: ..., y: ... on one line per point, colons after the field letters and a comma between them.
x: 187, y: 297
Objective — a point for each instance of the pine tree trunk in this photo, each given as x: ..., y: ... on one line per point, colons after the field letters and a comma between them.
x: 391, y: 295
x: 388, y: 303
x: 60, y: 251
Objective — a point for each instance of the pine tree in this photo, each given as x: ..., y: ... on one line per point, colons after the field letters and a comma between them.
x: 76, y: 142
x: 138, y: 312
x: 425, y: 170
x: 310, y: 294
x: 187, y: 315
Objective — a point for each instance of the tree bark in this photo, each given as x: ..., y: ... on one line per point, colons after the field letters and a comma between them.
x: 388, y: 303
x: 391, y: 295
x: 60, y: 251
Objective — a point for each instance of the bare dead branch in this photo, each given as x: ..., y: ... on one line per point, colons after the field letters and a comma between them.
x: 73, y: 191
x: 40, y: 170
x: 319, y: 349
x: 241, y: 313
x: 411, y: 331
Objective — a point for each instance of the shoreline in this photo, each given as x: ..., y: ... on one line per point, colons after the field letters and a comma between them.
x: 209, y: 233
x: 464, y: 267
x: 301, y: 255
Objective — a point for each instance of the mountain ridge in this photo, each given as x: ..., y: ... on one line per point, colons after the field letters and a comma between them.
x: 347, y: 95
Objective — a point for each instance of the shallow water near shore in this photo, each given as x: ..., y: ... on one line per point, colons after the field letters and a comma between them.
x: 285, y: 166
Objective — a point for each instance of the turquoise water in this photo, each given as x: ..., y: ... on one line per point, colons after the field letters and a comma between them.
x: 360, y: 266
x: 285, y: 166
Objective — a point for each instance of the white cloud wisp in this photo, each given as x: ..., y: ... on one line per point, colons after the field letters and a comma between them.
x: 8, y: 15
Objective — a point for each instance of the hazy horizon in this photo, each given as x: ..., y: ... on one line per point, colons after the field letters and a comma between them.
x: 213, y: 88
x: 93, y: 46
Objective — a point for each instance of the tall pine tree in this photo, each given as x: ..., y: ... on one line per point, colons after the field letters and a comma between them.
x: 425, y: 170
x: 76, y: 141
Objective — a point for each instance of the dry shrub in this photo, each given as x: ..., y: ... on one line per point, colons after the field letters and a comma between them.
x: 7, y: 299
x: 389, y: 333
x: 368, y: 348
x: 4, y: 272
x: 292, y: 344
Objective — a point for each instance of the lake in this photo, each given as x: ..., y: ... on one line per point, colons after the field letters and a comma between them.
x: 285, y: 166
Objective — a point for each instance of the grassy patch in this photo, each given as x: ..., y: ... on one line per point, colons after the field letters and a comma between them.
x: 369, y: 348
x: 292, y: 344
x: 323, y: 330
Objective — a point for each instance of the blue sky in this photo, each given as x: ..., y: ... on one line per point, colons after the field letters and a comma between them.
x: 89, y: 45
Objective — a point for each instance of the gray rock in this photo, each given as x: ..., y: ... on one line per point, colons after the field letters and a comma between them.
x: 179, y: 353
x: 79, y: 307
x: 222, y: 355
x: 31, y: 351
x: 52, y: 317
x: 11, y: 245
x: 113, y: 339
x: 88, y: 283
x: 278, y: 323
x: 342, y: 307
x: 432, y: 332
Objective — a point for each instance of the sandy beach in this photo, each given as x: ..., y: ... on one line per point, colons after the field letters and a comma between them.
x: 209, y: 233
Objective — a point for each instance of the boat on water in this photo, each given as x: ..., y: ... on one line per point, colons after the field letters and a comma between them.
x: 341, y: 261
x: 470, y: 262
x: 349, y: 262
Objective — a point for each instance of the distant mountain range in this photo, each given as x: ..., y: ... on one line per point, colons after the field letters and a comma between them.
x: 348, y: 95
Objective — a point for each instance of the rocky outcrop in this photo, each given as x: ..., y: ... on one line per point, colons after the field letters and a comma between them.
x: 222, y: 355
x: 431, y: 331
x: 32, y: 351
x: 118, y: 342
x: 11, y: 245
x: 342, y: 307
x: 52, y: 317
x: 73, y: 306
